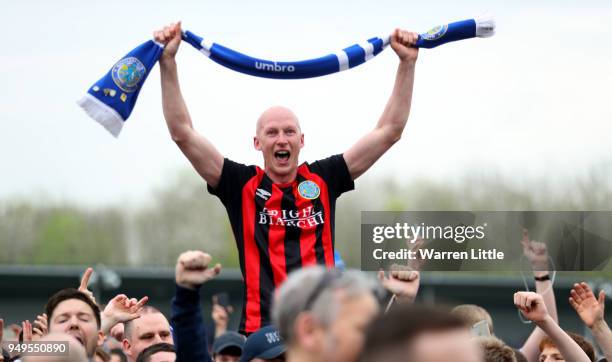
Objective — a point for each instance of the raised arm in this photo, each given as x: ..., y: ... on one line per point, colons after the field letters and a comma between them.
x: 537, y: 254
x: 591, y: 310
x: 204, y: 157
x: 532, y: 307
x: 192, y: 271
x: 362, y: 155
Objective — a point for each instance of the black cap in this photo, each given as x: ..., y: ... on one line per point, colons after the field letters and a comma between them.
x: 266, y: 343
x: 228, y: 340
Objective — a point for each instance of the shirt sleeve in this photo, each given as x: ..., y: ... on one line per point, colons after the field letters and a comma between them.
x: 233, y: 177
x: 188, y: 331
x: 335, y: 172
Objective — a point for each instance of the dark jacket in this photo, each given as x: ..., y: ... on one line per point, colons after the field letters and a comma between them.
x: 188, y: 327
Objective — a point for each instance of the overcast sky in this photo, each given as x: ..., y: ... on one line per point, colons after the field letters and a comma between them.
x: 533, y: 102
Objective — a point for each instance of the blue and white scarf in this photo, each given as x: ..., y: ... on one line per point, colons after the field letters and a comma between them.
x: 111, y: 99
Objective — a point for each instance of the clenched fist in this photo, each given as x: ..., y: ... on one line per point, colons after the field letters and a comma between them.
x: 192, y: 269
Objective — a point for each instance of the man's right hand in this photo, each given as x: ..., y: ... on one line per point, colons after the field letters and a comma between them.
x: 83, y: 287
x: 403, y: 283
x: 536, y: 252
x: 121, y: 309
x: 192, y: 269
x: 170, y: 36
x: 531, y: 306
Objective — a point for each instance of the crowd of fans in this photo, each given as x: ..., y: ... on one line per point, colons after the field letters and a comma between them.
x: 319, y: 315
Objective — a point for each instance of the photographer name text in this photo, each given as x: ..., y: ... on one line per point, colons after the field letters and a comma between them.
x: 433, y: 254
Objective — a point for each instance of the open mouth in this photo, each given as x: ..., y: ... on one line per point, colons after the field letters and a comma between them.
x: 282, y: 156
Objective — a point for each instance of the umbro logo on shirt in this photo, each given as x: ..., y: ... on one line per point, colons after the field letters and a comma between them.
x: 263, y: 194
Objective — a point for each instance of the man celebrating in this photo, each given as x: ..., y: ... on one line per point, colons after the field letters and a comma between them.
x: 73, y: 312
x: 282, y: 216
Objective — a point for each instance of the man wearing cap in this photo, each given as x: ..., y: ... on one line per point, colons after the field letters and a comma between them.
x: 228, y: 347
x: 265, y: 345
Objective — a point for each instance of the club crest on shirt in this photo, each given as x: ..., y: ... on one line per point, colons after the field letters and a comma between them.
x: 127, y: 74
x: 309, y: 190
x: 435, y: 32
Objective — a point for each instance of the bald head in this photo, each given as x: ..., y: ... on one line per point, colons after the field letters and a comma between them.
x: 279, y: 138
x: 76, y: 351
x: 150, y: 328
x: 128, y: 327
x: 275, y: 113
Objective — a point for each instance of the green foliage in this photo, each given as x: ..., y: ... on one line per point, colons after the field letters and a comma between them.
x: 60, y: 235
x: 181, y: 217
x: 58, y: 238
x: 184, y: 216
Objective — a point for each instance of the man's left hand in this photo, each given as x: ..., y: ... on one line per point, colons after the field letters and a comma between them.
x: 402, y: 42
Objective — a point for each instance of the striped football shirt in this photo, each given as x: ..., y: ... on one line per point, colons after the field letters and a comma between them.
x: 280, y: 227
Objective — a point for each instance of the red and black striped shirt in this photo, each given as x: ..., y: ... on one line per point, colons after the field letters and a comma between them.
x: 280, y: 227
